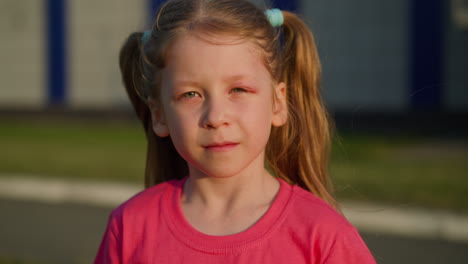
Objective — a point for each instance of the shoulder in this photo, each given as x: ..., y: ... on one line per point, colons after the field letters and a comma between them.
x: 325, y: 230
x: 145, y: 201
x: 310, y: 211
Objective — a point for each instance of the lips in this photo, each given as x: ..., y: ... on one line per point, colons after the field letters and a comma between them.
x: 221, y: 146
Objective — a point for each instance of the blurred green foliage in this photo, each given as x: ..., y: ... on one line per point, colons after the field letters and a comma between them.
x: 411, y: 170
x: 9, y: 260
x: 406, y: 170
x: 78, y: 150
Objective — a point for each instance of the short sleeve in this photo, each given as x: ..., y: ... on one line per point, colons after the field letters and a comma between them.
x: 349, y: 248
x: 110, y: 248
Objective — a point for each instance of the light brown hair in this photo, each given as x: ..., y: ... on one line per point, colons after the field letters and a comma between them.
x: 298, y: 151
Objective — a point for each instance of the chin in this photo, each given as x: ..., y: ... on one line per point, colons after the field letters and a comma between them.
x: 220, y: 173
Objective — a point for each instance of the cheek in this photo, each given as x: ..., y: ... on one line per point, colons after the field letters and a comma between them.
x: 258, y: 116
x: 181, y: 125
x: 179, y: 132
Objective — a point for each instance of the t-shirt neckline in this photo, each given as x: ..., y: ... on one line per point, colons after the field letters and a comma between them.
x: 251, y: 237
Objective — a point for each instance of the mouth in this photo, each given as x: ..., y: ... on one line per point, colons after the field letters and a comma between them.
x: 221, y: 146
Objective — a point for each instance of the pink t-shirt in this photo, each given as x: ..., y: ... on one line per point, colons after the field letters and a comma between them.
x: 297, y: 228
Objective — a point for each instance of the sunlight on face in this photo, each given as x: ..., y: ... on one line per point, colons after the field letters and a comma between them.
x: 217, y: 103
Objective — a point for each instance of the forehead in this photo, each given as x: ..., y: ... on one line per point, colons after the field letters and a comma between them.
x: 192, y: 54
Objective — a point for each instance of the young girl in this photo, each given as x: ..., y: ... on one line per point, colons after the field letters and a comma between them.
x: 238, y: 142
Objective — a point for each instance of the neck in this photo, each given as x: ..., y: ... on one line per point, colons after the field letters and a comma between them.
x: 223, y: 206
x: 223, y: 196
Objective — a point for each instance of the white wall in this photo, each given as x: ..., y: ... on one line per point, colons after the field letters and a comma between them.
x: 455, y: 88
x: 22, y: 54
x: 97, y: 30
x: 363, y: 45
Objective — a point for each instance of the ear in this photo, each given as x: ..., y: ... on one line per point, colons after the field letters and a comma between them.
x: 157, y: 117
x: 280, y: 108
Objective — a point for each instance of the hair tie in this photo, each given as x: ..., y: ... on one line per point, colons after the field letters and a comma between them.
x: 146, y: 36
x: 275, y: 16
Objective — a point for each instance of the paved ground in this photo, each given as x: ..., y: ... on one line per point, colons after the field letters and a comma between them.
x: 63, y: 222
x: 70, y: 233
x: 389, y: 219
x: 50, y: 233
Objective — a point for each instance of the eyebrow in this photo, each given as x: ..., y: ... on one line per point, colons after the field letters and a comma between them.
x: 228, y: 79
x: 235, y: 78
x: 187, y: 83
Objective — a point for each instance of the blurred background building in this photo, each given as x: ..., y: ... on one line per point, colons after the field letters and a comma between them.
x: 392, y: 66
x: 386, y: 57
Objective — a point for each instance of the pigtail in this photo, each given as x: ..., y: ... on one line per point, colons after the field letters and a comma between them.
x: 162, y: 160
x: 130, y: 67
x: 299, y: 151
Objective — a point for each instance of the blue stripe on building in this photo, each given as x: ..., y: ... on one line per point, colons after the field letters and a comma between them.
x: 289, y: 5
x: 56, y: 51
x: 426, y: 54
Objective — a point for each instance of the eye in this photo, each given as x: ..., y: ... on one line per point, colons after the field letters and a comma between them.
x: 238, y: 90
x: 190, y: 94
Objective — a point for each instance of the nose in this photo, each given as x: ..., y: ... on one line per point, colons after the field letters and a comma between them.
x: 215, y: 114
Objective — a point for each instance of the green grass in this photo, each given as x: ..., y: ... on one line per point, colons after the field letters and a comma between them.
x: 85, y: 151
x: 25, y: 260
x: 411, y: 170
x: 10, y: 260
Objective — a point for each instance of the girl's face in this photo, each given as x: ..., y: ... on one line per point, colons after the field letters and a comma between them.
x: 217, y: 105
